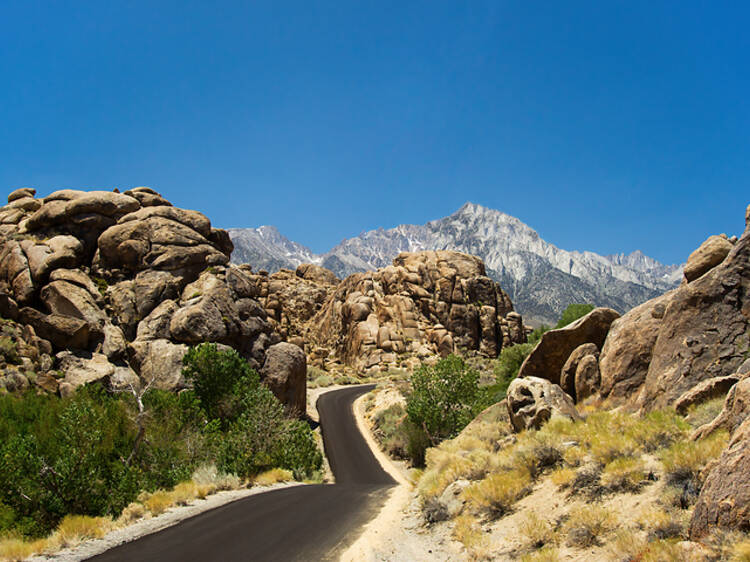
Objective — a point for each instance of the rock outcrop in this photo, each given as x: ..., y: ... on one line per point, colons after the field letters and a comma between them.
x: 533, y: 401
x: 426, y: 303
x: 114, y: 287
x: 285, y: 372
x: 548, y: 358
x: 724, y: 500
x: 662, y: 349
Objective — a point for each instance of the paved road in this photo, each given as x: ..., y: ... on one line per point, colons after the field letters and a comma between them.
x: 308, y: 523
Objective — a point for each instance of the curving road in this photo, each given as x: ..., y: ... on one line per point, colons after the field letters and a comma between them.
x: 315, y: 522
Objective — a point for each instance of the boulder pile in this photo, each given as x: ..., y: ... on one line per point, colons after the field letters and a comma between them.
x: 425, y: 304
x: 111, y: 286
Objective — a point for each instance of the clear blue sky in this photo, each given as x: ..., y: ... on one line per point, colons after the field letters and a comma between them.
x: 607, y: 126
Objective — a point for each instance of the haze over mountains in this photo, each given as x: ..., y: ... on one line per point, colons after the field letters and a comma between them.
x: 540, y: 278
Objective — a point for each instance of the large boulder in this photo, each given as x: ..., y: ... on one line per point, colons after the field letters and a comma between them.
x: 533, y: 401
x: 80, y: 369
x: 548, y: 358
x: 736, y: 409
x: 316, y: 273
x: 568, y: 373
x: 710, y: 254
x: 64, y: 332
x: 704, y: 330
x: 285, y: 373
x: 587, y: 377
x: 159, y: 363
x: 724, y: 500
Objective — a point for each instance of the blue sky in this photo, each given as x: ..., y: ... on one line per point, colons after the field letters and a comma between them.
x: 606, y: 126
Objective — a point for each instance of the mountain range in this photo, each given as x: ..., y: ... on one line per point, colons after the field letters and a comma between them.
x: 540, y: 278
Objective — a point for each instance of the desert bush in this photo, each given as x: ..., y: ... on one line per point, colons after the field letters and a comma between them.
x: 15, y: 548
x: 8, y: 350
x: 667, y: 550
x: 705, y: 412
x: 684, y: 460
x: 626, y: 545
x: 76, y: 528
x: 133, y: 512
x: 390, y: 432
x: 624, y: 474
x: 537, y: 334
x: 661, y: 524
x: 499, y: 491
x: 546, y: 554
x: 158, y: 502
x: 572, y: 313
x: 537, y: 531
x: 562, y: 477
x: 468, y: 532
x: 588, y: 526
x: 273, y: 476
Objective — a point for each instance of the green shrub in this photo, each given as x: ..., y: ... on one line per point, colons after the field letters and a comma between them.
x: 572, y: 313
x: 507, y: 365
x: 537, y: 334
x: 214, y: 374
x: 8, y: 350
x: 444, y: 397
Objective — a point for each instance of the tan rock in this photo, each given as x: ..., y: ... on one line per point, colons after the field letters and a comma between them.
x: 710, y: 254
x: 66, y: 299
x: 736, y: 409
x: 316, y: 273
x: 587, y: 377
x: 159, y: 361
x: 724, y: 500
x: 285, y: 373
x: 81, y: 369
x: 548, y: 358
x: 64, y: 332
x: 533, y: 401
x: 568, y: 372
x: 21, y: 193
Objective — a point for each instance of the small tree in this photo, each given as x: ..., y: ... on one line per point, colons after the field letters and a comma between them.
x: 444, y: 398
x: 508, y: 363
x: 573, y: 313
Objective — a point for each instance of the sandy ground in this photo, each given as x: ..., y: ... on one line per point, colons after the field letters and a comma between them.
x: 397, y: 533
x: 149, y: 525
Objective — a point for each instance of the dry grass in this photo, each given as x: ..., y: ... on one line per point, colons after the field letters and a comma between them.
x: 741, y: 551
x: 468, y: 532
x: 210, y: 476
x: 589, y: 525
x: 662, y: 524
x: 684, y: 460
x: 273, y: 476
x: 538, y: 532
x: 497, y: 493
x: 74, y: 529
x: 13, y: 549
x: 663, y: 551
x: 133, y: 512
x: 700, y: 414
x: 625, y: 545
x: 158, y: 502
x: 625, y: 474
x: 547, y: 554
x: 563, y: 477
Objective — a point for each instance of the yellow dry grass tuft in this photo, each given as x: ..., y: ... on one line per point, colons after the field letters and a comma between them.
x: 625, y: 545
x: 538, y: 532
x: 547, y: 554
x: 158, y: 502
x: 663, y: 524
x: 273, y: 476
x: 133, y: 512
x: 499, y: 491
x: 684, y: 460
x: 741, y: 551
x: 589, y: 525
x: 663, y: 551
x: 562, y: 477
x: 13, y: 549
x: 624, y: 474
x: 468, y: 532
x: 74, y: 529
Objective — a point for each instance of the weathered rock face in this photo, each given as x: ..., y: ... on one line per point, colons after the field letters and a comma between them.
x: 660, y: 351
x: 533, y: 401
x: 425, y: 303
x: 724, y: 500
x: 548, y: 358
x: 568, y: 373
x: 285, y: 373
x: 629, y: 347
x: 735, y: 411
x: 710, y: 254
x: 119, y: 285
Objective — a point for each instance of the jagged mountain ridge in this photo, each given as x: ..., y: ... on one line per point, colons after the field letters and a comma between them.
x: 540, y: 278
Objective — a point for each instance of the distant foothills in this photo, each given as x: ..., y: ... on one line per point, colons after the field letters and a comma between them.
x: 540, y: 278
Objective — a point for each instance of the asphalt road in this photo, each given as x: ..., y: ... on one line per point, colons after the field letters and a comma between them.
x: 315, y: 522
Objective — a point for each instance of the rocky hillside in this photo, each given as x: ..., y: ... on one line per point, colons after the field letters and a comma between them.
x: 424, y: 304
x: 539, y: 277
x: 115, y: 286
